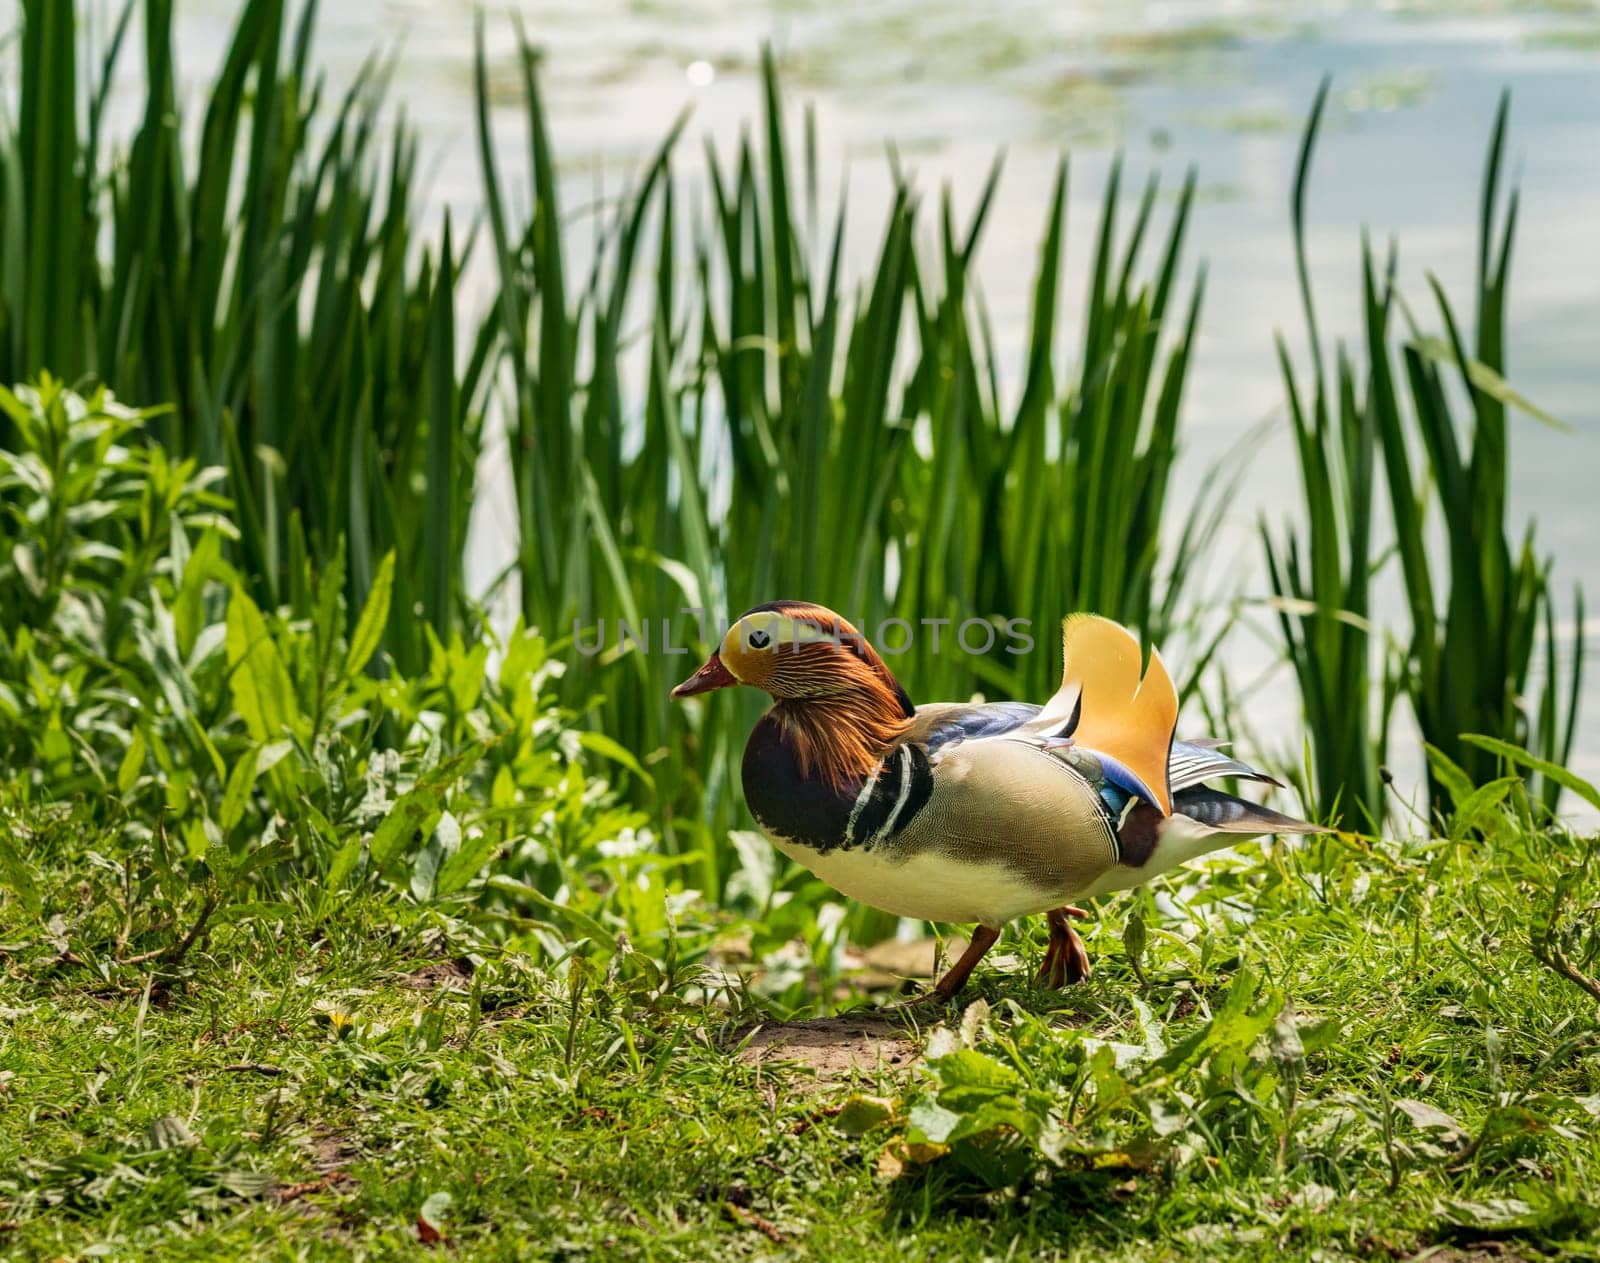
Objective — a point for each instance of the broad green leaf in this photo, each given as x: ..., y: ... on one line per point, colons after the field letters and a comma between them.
x: 461, y: 867
x: 758, y: 864
x: 271, y: 755
x: 1516, y: 754
x: 1491, y: 1214
x: 1449, y: 774
x: 188, y: 606
x: 434, y: 1211
x: 1431, y: 1118
x: 425, y: 871
x: 932, y: 1123
x: 1479, y: 804
x: 16, y: 874
x: 237, y: 794
x: 132, y: 763
x: 344, y: 862
x: 263, y: 694
x: 968, y: 1077
x: 408, y: 824
x: 1135, y: 937
x: 605, y: 747
x: 197, y: 836
x: 1287, y: 1048
x: 368, y: 635
x: 862, y: 1114
x: 444, y: 842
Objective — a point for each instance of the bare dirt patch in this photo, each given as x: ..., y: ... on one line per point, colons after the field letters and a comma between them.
x: 331, y: 1151
x: 834, y: 1050
x: 451, y: 975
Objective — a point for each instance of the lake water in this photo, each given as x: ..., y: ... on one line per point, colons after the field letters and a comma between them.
x: 1223, y: 86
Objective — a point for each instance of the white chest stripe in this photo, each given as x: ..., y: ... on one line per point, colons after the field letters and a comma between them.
x: 890, y: 824
x: 862, y: 799
x: 906, y: 773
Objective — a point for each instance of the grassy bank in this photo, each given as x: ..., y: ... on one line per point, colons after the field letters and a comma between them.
x: 335, y: 919
x: 1349, y: 1051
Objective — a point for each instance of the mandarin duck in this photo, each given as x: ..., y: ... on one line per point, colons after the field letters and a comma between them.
x: 979, y: 812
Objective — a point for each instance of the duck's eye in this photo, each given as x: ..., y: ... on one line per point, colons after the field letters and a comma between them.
x: 759, y: 640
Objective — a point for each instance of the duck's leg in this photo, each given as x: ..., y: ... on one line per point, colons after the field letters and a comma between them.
x: 983, y: 938
x: 1066, y: 960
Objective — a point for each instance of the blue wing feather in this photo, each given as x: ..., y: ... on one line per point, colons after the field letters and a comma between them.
x: 983, y: 719
x: 1120, y: 777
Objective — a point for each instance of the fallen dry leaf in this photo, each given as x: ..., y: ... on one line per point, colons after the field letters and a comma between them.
x: 899, y: 1153
x: 293, y: 1192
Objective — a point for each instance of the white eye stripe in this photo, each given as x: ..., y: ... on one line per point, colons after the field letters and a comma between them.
x: 770, y: 630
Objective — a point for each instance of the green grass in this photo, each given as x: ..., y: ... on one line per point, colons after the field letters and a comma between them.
x: 266, y: 777
x: 1400, y: 1076
x: 1321, y: 578
x: 217, y: 890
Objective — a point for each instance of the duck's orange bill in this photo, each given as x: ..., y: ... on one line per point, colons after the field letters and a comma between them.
x: 711, y: 676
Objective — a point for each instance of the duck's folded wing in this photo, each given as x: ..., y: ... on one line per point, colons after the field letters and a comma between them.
x: 940, y: 726
x: 1194, y: 762
x: 943, y: 724
x: 1004, y: 800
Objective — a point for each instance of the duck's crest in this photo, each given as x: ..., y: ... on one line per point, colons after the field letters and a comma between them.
x: 1105, y: 705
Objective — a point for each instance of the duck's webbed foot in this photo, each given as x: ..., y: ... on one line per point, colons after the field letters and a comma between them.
x: 1066, y: 960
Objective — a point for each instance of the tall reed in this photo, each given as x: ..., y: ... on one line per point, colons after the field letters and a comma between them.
x: 802, y: 436
x: 1469, y: 665
x: 271, y: 286
x: 1321, y: 574
x: 1465, y: 664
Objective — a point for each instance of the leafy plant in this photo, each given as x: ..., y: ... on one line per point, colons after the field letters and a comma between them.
x: 94, y: 521
x: 270, y: 286
x: 1469, y: 660
x: 232, y: 750
x: 1003, y: 1105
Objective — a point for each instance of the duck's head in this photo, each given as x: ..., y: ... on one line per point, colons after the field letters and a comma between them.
x: 800, y: 652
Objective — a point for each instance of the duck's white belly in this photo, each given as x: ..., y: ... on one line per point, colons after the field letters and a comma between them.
x: 926, y: 884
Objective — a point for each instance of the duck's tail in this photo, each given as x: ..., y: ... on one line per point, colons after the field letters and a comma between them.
x: 1109, y: 702
x: 1224, y: 813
